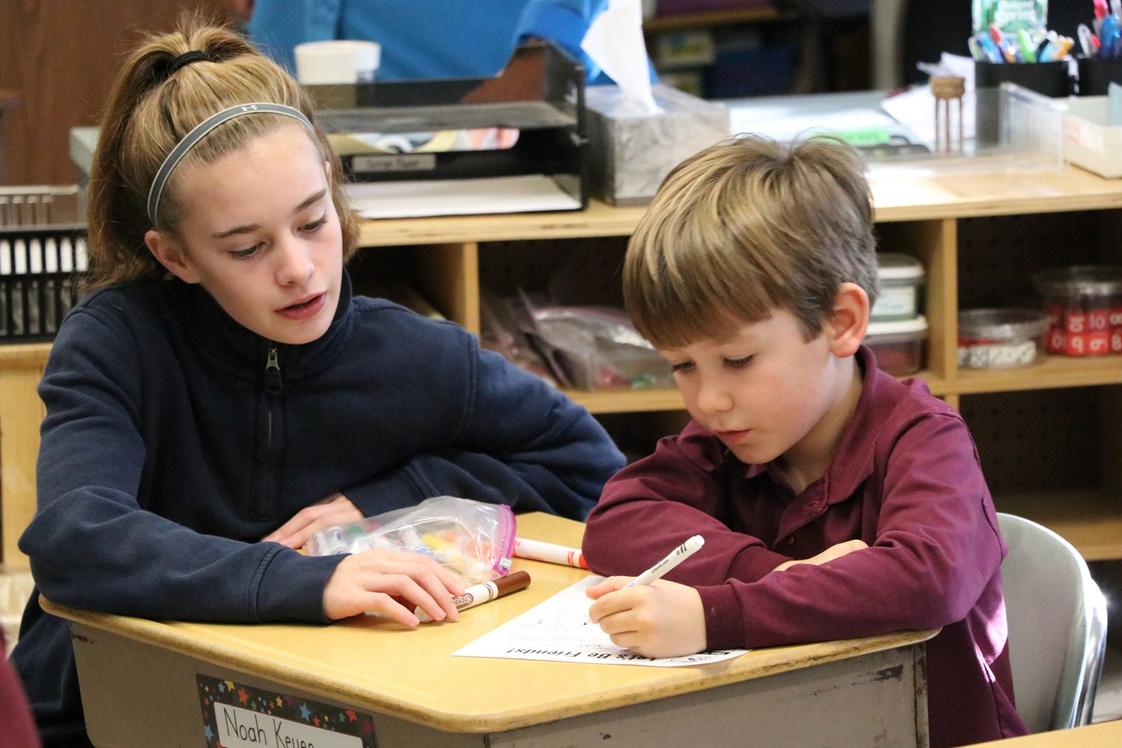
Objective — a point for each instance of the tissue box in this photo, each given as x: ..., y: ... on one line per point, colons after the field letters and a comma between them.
x: 630, y: 152
x: 1089, y: 141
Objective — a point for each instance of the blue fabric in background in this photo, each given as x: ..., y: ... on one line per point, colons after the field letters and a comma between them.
x: 426, y: 38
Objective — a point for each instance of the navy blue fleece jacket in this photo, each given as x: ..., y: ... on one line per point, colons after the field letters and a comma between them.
x: 170, y: 446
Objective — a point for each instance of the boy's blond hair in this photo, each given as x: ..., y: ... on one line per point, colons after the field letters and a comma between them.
x: 745, y: 227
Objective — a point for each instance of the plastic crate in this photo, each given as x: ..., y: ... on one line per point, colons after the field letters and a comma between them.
x: 42, y: 258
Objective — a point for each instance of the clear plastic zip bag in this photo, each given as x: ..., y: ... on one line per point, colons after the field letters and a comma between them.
x: 471, y: 538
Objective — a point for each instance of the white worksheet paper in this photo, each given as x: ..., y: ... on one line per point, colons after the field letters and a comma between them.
x: 525, y: 193
x: 558, y: 630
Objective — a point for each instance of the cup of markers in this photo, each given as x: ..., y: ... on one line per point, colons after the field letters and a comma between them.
x: 1099, y: 61
x: 1020, y: 46
x: 1037, y: 59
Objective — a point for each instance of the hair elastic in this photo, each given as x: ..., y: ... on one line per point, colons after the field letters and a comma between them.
x: 172, y: 64
x: 200, y: 131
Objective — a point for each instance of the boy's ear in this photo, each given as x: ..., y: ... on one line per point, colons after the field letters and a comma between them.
x: 848, y: 320
x: 169, y: 254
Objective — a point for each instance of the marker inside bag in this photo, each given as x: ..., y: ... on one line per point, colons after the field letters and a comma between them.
x: 539, y: 550
x: 484, y: 592
x: 675, y: 557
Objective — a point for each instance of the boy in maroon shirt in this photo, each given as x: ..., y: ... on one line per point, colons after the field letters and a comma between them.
x: 835, y: 501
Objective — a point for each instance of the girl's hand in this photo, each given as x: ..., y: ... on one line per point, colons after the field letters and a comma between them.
x: 334, y: 510
x: 663, y: 619
x: 834, y: 551
x: 391, y: 583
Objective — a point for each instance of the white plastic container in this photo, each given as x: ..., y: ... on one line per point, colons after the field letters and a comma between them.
x: 900, y: 278
x: 1000, y: 338
x: 1089, y: 141
x: 898, y: 345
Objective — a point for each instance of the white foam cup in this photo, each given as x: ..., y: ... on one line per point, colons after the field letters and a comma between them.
x: 341, y: 61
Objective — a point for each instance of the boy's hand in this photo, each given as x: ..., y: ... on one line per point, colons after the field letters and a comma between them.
x: 334, y: 510
x: 663, y: 619
x: 834, y: 551
x: 391, y: 583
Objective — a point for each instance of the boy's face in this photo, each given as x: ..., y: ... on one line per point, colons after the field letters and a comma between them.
x: 260, y: 233
x: 765, y: 391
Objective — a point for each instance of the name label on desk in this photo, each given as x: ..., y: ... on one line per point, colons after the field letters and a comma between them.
x: 236, y: 715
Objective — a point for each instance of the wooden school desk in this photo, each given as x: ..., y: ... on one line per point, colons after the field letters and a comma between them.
x: 1100, y: 735
x: 146, y: 682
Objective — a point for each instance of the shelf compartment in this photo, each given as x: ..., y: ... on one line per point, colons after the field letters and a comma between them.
x: 1089, y: 519
x: 644, y: 401
x: 627, y: 401
x: 598, y: 220
x: 1053, y: 372
x: 933, y: 244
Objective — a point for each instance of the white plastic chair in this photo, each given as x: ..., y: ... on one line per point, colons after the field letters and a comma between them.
x: 1057, y: 626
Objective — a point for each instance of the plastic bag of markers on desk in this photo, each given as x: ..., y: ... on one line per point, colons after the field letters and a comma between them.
x: 471, y: 538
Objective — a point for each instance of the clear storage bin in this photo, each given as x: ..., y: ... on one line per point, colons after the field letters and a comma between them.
x: 1000, y: 338
x: 1084, y: 307
x: 898, y: 345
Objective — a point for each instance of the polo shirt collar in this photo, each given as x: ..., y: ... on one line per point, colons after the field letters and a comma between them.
x: 853, y: 461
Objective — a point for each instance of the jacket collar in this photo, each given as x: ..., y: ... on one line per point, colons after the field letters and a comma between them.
x: 238, y: 351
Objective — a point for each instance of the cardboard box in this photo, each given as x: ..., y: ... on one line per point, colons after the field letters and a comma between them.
x: 631, y: 152
x: 1089, y: 141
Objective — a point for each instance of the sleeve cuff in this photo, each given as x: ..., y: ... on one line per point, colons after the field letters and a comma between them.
x: 724, y: 619
x: 291, y: 587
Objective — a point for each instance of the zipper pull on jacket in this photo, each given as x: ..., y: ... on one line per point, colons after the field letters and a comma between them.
x: 273, y: 384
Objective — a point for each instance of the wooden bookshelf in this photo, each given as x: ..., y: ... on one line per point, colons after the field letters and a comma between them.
x: 941, y: 218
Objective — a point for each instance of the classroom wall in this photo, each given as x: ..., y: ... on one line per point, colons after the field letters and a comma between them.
x: 59, y: 57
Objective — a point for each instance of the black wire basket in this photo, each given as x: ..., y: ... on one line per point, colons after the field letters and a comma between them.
x: 42, y: 260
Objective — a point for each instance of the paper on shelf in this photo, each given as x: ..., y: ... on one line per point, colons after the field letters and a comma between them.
x: 558, y: 630
x: 456, y: 197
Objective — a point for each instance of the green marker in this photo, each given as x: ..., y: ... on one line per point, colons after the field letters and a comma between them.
x: 1028, y: 49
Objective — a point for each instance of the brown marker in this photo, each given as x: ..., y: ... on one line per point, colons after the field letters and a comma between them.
x: 484, y: 592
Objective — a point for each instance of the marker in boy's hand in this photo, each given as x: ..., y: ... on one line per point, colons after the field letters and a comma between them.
x: 649, y: 616
x: 391, y: 583
x: 691, y: 546
x: 661, y: 619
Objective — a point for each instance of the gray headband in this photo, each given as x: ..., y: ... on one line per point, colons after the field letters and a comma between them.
x: 199, y: 131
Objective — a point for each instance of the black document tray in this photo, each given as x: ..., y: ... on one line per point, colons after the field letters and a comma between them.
x: 540, y: 93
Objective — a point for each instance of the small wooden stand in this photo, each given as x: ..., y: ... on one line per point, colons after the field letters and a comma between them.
x: 947, y: 88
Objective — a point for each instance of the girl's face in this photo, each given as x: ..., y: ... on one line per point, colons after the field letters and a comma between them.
x: 260, y: 233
